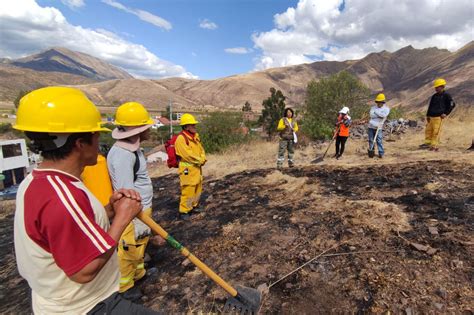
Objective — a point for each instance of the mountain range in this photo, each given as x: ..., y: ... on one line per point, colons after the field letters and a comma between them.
x: 405, y: 76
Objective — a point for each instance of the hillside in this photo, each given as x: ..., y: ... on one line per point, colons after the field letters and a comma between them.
x: 405, y: 76
x: 14, y: 79
x: 55, y: 66
x: 60, y: 59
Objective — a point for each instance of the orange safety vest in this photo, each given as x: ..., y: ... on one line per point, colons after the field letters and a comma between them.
x: 343, y: 129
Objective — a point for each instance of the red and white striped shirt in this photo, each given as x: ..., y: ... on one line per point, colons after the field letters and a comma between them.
x: 60, y: 227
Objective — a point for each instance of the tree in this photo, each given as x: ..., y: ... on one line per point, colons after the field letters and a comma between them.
x: 326, y: 97
x: 272, y: 111
x: 19, y: 96
x: 247, y: 107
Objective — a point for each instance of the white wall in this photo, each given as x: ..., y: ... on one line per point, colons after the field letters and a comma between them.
x: 16, y: 161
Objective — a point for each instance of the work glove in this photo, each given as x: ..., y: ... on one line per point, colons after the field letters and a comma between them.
x: 141, y: 229
x: 427, y: 119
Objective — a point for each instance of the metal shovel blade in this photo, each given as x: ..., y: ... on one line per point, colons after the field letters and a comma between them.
x: 318, y: 160
x: 371, y: 153
x: 247, y: 301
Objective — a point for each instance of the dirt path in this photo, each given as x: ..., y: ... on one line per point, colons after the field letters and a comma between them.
x: 415, y: 219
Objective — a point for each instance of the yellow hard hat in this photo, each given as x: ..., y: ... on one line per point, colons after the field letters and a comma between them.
x: 380, y: 98
x: 132, y: 114
x: 57, y: 109
x: 188, y: 119
x: 439, y: 82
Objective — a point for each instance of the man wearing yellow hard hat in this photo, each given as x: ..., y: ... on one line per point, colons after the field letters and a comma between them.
x: 127, y: 168
x: 65, y: 245
x: 191, y: 159
x: 378, y: 114
x: 441, y: 105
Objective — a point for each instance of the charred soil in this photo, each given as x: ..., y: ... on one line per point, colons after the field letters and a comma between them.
x: 403, y: 234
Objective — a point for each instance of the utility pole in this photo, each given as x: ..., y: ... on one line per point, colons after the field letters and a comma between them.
x: 171, y: 120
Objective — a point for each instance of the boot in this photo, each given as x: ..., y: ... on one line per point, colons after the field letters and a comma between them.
x: 424, y: 146
x: 133, y: 294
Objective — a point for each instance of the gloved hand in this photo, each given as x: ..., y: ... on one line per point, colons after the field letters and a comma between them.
x: 141, y: 229
x: 427, y: 119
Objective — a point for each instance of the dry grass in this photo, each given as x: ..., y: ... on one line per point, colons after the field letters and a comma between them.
x: 7, y: 207
x: 456, y: 136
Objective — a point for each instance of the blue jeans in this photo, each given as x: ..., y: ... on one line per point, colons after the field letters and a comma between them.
x: 371, y: 132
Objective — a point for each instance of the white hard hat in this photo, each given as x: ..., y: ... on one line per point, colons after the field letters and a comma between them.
x: 344, y: 110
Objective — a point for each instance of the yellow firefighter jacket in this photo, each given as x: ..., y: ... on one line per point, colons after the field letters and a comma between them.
x: 192, y: 157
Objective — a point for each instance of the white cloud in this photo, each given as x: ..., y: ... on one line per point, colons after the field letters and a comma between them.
x: 73, y: 4
x: 28, y: 28
x: 207, y: 24
x: 317, y: 29
x: 141, y: 14
x: 238, y: 50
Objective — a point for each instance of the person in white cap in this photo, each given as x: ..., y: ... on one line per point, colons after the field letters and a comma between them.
x: 127, y: 169
x: 343, y: 123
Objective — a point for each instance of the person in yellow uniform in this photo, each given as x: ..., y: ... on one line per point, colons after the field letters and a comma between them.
x: 127, y: 168
x: 287, y: 127
x: 441, y: 105
x: 96, y: 179
x: 191, y: 159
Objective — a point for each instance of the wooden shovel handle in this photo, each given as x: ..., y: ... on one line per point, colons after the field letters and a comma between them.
x: 155, y: 227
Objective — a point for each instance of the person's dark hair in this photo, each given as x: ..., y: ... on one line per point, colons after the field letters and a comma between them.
x: 288, y: 109
x: 42, y: 143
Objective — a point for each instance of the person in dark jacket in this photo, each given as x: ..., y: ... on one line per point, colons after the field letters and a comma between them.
x: 441, y: 105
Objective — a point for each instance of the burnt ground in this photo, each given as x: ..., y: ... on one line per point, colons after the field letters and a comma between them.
x: 405, y: 232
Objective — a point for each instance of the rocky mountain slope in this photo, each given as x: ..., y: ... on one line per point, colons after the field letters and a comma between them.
x: 405, y: 76
x: 55, y: 66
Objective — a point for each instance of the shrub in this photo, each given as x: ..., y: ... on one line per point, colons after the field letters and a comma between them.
x: 395, y: 113
x: 220, y: 130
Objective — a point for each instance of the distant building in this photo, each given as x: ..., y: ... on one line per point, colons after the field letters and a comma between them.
x: 162, y: 121
x: 159, y: 156
x: 13, y: 162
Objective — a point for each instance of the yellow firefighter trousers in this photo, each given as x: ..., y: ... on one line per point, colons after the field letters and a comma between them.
x: 190, y: 195
x: 432, y: 131
x: 131, y: 255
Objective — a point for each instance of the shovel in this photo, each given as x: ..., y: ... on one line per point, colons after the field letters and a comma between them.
x: 244, y: 300
x: 321, y: 158
x: 371, y: 150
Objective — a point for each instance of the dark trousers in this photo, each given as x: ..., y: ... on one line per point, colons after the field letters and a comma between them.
x: 340, y: 145
x: 117, y: 305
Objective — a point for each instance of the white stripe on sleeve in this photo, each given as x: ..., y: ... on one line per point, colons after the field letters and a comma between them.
x: 82, y: 214
x: 74, y: 215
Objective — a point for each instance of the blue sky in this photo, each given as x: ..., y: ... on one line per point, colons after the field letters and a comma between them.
x: 209, y: 39
x: 200, y: 50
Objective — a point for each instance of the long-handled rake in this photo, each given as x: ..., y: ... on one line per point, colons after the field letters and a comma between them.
x: 244, y: 299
